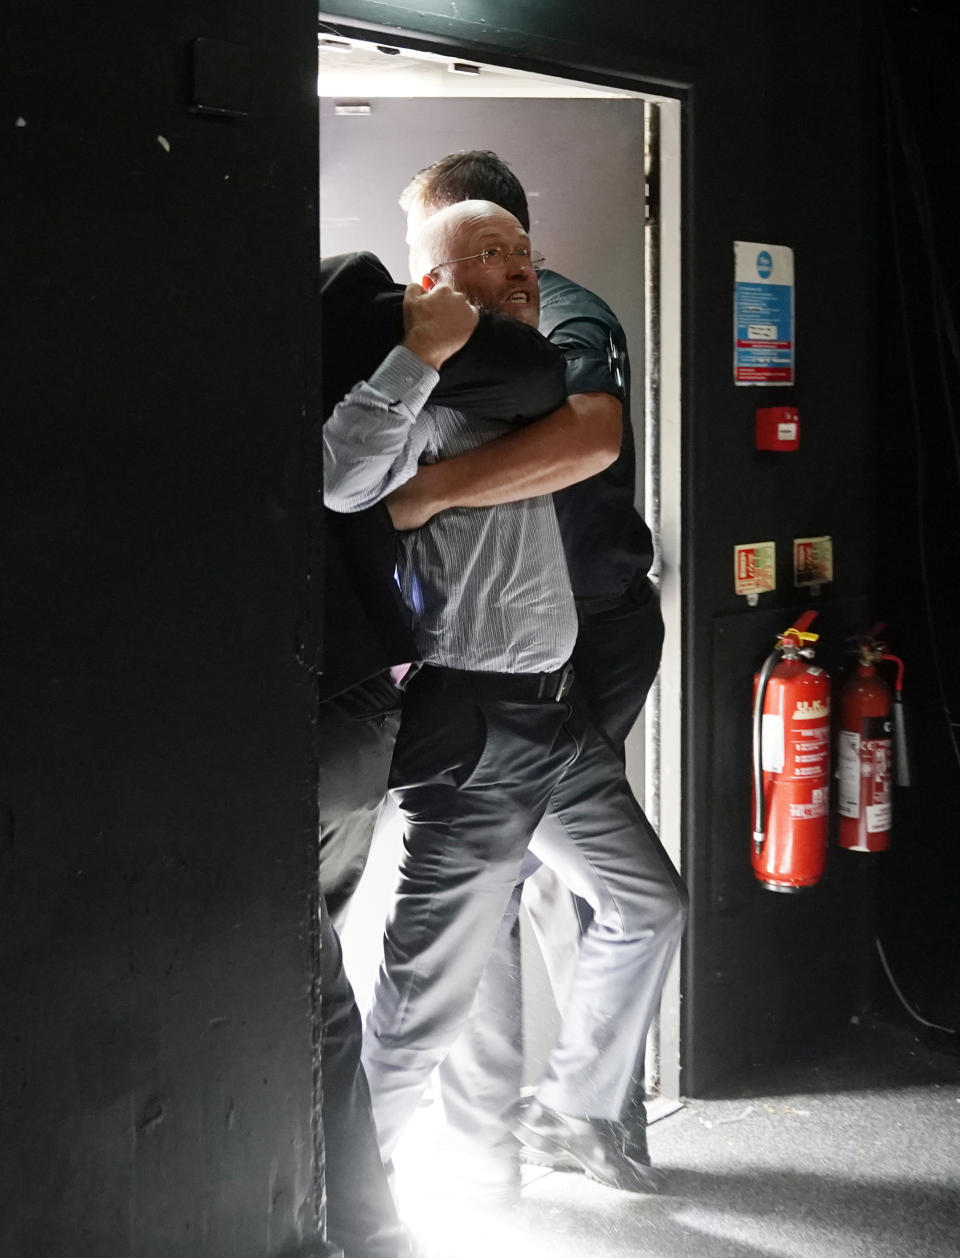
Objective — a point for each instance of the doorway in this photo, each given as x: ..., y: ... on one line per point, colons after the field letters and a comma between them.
x: 601, y: 167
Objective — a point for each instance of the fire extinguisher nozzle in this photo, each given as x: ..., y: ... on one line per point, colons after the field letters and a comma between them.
x: 758, y: 838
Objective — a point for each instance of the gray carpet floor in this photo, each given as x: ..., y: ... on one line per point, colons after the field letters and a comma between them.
x: 853, y: 1154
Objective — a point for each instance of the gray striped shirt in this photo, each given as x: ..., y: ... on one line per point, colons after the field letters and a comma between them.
x: 487, y: 588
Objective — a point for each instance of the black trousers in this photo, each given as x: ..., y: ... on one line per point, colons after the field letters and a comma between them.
x: 616, y: 659
x: 356, y: 736
x: 361, y: 1215
x: 356, y: 732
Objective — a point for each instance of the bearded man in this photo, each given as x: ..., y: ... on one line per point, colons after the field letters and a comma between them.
x: 493, y: 735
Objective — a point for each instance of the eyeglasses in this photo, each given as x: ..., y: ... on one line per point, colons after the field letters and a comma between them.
x: 497, y: 257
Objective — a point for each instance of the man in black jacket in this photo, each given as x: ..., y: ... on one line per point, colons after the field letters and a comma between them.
x: 492, y: 737
x: 507, y: 371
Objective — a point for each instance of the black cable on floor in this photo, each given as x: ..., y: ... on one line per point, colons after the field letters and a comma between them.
x: 903, y: 1000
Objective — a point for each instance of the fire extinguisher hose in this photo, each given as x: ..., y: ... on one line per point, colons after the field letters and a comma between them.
x: 759, y: 819
x: 902, y: 756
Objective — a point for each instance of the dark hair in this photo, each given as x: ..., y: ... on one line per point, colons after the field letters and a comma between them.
x: 474, y: 174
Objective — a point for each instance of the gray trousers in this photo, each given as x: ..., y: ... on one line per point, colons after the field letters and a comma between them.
x: 474, y: 774
x: 616, y: 659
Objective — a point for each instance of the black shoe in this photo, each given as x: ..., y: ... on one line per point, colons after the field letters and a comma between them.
x: 591, y: 1145
x: 633, y: 1142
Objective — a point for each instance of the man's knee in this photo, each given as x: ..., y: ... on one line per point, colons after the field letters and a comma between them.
x: 660, y: 912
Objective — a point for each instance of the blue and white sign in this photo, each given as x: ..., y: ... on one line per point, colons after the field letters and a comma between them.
x: 763, y: 314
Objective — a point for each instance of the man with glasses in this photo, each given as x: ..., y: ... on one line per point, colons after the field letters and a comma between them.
x: 492, y: 736
x: 609, y: 552
x: 607, y: 544
x: 505, y: 370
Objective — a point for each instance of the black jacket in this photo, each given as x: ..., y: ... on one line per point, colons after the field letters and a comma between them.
x: 506, y: 371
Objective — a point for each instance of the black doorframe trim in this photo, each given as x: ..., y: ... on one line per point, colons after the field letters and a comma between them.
x: 542, y: 55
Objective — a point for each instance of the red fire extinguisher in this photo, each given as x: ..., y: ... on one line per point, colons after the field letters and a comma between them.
x: 791, y: 763
x: 866, y: 752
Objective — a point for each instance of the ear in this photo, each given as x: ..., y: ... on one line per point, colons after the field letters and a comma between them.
x: 428, y: 282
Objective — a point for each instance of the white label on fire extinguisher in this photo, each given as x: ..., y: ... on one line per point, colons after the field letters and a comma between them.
x: 878, y: 818
x: 772, y: 743
x: 848, y: 771
x: 811, y: 709
x: 817, y: 807
x: 876, y: 754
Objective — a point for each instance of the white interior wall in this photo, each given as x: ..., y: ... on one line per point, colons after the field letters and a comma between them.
x: 580, y: 161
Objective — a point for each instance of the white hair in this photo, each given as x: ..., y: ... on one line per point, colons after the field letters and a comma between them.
x: 435, y: 238
x: 429, y: 247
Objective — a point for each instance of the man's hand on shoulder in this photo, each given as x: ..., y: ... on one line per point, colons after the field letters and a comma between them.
x: 436, y: 323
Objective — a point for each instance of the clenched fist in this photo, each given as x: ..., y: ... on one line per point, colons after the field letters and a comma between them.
x: 436, y: 323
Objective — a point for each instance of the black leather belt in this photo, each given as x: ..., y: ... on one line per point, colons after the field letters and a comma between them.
x: 521, y: 687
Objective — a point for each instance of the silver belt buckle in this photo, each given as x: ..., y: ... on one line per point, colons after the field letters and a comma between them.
x: 566, y: 681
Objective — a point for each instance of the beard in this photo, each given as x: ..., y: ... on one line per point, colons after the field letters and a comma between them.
x: 485, y: 304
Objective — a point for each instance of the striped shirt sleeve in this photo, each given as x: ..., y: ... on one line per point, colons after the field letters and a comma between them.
x: 372, y: 442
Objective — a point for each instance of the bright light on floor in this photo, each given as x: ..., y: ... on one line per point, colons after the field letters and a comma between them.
x: 559, y: 1214
x: 435, y: 1205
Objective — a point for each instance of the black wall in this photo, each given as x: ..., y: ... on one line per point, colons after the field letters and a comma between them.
x: 156, y: 823
x: 919, y: 486
x: 782, y: 145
